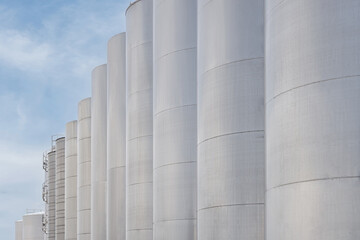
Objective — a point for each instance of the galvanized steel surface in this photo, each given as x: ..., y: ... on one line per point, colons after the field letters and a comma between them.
x: 19, y: 230
x: 231, y: 174
x: 51, y: 195
x: 84, y: 170
x: 60, y: 189
x: 32, y: 226
x: 98, y: 152
x: 175, y: 130
x: 71, y: 181
x: 116, y: 138
x: 313, y: 119
x: 139, y: 166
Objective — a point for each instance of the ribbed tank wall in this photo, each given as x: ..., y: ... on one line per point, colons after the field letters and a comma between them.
x: 71, y: 181
x: 32, y: 226
x: 60, y: 189
x: 19, y: 230
x: 84, y: 170
x: 231, y: 161
x: 139, y: 165
x: 98, y: 153
x: 116, y: 138
x: 52, y: 195
x: 175, y: 130
x: 313, y: 119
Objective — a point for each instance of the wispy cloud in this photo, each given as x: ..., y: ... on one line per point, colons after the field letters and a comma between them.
x: 47, y: 52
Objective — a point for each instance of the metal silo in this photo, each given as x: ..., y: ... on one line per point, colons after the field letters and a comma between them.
x: 139, y: 165
x: 71, y: 181
x: 116, y: 138
x: 98, y: 153
x: 175, y: 129
x: 60, y: 189
x: 84, y: 170
x: 51, y: 195
x: 231, y: 162
x: 19, y: 230
x: 32, y: 226
x: 313, y: 119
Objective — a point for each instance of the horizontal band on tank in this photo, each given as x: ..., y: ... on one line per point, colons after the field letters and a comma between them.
x: 170, y: 164
x: 172, y: 220
x: 73, y: 155
x: 176, y: 51
x: 232, y: 205
x: 142, y: 90
x: 81, y: 119
x: 84, y: 138
x: 169, y: 109
x: 145, y: 136
x: 70, y: 197
x: 84, y: 233
x: 85, y: 185
x: 229, y: 63
x: 68, y: 139
x: 140, y: 44
x: 86, y: 209
x: 118, y: 167
x: 228, y: 134
x: 70, y: 218
x: 142, y: 229
x: 314, y: 180
x: 133, y: 184
x: 84, y: 162
x: 312, y: 83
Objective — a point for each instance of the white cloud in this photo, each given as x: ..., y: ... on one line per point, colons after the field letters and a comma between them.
x: 19, y: 50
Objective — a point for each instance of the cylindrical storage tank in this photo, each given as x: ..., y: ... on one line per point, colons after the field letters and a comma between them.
x: 71, y: 181
x: 52, y: 195
x: 139, y: 165
x: 32, y: 226
x: 313, y: 120
x: 19, y: 230
x: 175, y: 130
x: 231, y: 158
x: 116, y: 138
x: 60, y: 189
x: 84, y: 170
x: 98, y: 153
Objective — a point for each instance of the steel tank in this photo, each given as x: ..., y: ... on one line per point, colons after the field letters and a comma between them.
x: 60, y: 189
x: 139, y: 165
x: 116, y: 138
x: 51, y: 195
x: 84, y: 170
x: 98, y: 152
x: 175, y: 125
x: 71, y: 180
x: 19, y: 230
x: 312, y: 120
x: 32, y: 226
x: 231, y: 163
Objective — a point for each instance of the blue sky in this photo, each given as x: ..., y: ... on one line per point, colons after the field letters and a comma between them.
x: 47, y: 51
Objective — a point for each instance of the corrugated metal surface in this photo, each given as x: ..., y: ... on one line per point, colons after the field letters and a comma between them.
x: 116, y: 138
x: 98, y: 153
x: 60, y: 189
x: 139, y: 191
x: 231, y: 163
x: 71, y: 181
x: 312, y: 119
x: 84, y: 170
x: 175, y: 130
